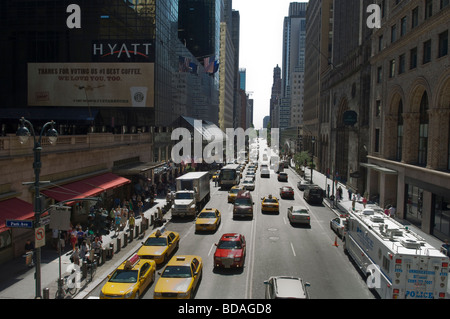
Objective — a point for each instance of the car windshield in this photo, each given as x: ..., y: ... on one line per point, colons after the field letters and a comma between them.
x: 286, y: 189
x: 226, y: 244
x: 242, y: 202
x: 177, y: 272
x: 270, y: 200
x: 156, y: 241
x: 315, y: 191
x: 235, y: 190
x: 124, y: 276
x: 207, y: 215
x: 184, y: 196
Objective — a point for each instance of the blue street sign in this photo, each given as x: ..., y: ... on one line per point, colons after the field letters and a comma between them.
x: 19, y: 223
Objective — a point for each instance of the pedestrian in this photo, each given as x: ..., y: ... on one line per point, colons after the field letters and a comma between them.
x: 353, y: 202
x: 350, y: 194
x: 73, y: 238
x: 97, y: 245
x: 29, y: 251
x: 392, y: 211
x: 117, y: 224
x: 386, y: 210
x: 83, y: 250
x: 131, y: 221
x: 364, y: 201
x: 75, y: 257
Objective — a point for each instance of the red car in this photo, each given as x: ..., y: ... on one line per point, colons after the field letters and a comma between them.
x: 230, y: 251
x: 286, y: 192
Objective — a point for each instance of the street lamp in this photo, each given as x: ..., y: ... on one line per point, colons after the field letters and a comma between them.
x: 313, y: 140
x: 23, y: 133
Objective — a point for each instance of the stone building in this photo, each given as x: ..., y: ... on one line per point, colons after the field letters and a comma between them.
x: 409, y: 153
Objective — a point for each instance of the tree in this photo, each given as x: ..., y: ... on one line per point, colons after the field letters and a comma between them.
x: 300, y: 159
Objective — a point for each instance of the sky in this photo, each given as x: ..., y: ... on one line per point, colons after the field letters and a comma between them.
x: 261, y: 46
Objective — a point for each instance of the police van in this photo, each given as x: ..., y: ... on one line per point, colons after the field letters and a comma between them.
x: 399, y: 264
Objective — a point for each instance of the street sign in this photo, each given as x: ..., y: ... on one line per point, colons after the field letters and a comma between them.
x: 39, y: 236
x: 19, y: 223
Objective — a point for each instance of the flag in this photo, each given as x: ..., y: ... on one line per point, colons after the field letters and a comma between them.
x: 208, y: 63
x: 183, y: 64
x: 193, y: 68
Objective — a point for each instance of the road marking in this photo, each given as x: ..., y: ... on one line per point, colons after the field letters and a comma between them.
x: 293, y: 250
x: 210, y: 250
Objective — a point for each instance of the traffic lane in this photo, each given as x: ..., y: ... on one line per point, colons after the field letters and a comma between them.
x: 306, y: 252
x: 214, y: 284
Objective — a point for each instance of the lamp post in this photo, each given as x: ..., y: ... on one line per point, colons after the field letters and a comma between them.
x: 23, y: 133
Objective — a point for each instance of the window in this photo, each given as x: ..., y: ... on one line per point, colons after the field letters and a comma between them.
x: 401, y: 64
x: 393, y: 33
x: 427, y: 51
x: 414, y: 17
x: 444, y: 3
x: 443, y: 44
x: 403, y: 26
x: 428, y: 8
x: 392, y: 68
x: 423, y: 130
x: 380, y: 43
x: 413, y: 58
x: 379, y: 74
x: 377, y: 140
x: 399, y: 131
x: 378, y: 108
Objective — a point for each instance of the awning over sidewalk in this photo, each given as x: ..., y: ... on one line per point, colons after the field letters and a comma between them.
x: 14, y: 208
x: 86, y: 188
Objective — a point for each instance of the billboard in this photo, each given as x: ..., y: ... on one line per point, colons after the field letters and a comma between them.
x: 91, y: 84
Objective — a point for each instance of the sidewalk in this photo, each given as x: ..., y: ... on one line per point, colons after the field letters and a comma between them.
x: 17, y: 280
x: 345, y: 204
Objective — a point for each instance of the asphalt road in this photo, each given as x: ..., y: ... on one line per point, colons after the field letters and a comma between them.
x: 274, y: 247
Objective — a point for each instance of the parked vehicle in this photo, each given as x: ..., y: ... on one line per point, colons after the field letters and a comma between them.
x: 313, y: 194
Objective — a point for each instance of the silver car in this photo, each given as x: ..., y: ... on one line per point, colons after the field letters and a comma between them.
x: 299, y: 215
x: 282, y: 287
x: 248, y: 184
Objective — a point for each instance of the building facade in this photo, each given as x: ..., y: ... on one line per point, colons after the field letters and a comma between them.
x: 409, y: 154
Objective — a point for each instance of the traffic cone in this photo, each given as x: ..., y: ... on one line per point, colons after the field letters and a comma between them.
x: 335, y: 242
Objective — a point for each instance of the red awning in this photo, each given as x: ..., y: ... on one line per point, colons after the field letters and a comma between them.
x: 86, y: 188
x: 14, y: 208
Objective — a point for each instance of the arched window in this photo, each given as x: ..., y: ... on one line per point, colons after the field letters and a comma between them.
x: 400, y: 131
x: 423, y: 130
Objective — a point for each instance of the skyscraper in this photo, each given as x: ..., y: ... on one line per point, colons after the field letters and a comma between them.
x: 293, y: 67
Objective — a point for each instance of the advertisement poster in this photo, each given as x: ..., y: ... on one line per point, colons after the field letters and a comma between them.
x: 91, y: 84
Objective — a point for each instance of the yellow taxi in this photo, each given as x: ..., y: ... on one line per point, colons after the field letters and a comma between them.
x: 270, y: 204
x: 215, y: 176
x: 180, y: 278
x: 130, y: 279
x: 159, y: 245
x: 233, y: 193
x: 208, y: 220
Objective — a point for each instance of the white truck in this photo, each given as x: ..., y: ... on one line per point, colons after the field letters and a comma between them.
x: 193, y: 192
x: 399, y: 264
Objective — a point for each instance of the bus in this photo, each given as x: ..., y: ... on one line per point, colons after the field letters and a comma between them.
x: 229, y: 176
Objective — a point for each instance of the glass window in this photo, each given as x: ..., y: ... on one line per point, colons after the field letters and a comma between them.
x: 443, y: 44
x: 427, y: 51
x: 414, y: 204
x: 413, y: 59
x: 423, y: 130
x: 441, y: 217
x: 414, y: 17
